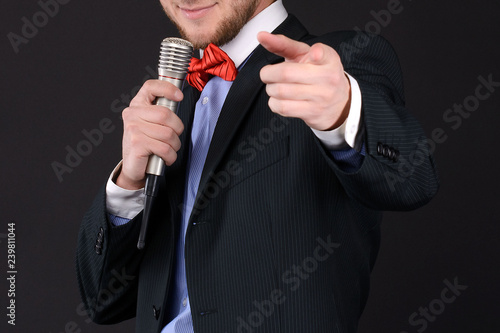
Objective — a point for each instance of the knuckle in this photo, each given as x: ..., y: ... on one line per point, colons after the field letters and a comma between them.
x: 280, y: 90
x: 276, y: 105
x: 148, y: 84
x: 180, y: 128
x: 132, y: 128
x: 177, y: 146
x: 269, y: 89
x: 163, y: 151
x: 283, y: 91
x: 333, y: 79
x: 263, y: 73
x: 170, y: 157
x: 163, y: 115
x: 338, y: 77
x: 126, y: 113
x: 273, y: 90
x: 135, y: 101
x: 270, y: 104
x: 176, y: 124
x: 134, y: 140
x: 169, y: 134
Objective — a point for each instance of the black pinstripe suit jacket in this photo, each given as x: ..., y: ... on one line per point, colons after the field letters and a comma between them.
x: 281, y: 239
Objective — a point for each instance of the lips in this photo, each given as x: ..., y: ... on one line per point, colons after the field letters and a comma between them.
x: 196, y: 13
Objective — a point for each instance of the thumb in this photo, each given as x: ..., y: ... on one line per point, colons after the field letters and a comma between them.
x: 283, y: 46
x: 317, y: 54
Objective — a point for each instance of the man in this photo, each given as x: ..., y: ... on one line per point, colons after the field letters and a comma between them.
x: 268, y: 213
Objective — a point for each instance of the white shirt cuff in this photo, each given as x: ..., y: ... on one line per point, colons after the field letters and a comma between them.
x: 345, y: 134
x: 121, y: 202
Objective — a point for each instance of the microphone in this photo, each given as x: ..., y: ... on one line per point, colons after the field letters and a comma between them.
x: 175, y: 57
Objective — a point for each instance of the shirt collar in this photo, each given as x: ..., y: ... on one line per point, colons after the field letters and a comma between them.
x: 246, y: 41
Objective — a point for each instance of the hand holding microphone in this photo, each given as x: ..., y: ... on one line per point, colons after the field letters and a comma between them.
x: 151, y: 132
x: 148, y: 129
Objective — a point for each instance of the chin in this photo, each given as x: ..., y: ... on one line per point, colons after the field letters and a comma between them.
x: 199, y: 39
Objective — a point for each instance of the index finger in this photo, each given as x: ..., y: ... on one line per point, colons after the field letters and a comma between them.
x: 153, y: 89
x: 283, y: 46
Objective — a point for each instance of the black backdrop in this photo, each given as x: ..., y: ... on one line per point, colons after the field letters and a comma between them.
x: 73, y: 67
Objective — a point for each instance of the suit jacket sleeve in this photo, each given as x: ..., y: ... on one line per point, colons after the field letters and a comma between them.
x: 398, y: 171
x: 107, y: 264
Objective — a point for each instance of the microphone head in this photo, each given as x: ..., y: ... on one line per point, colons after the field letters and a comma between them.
x: 175, y: 56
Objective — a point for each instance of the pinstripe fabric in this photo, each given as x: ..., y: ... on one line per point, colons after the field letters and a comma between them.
x: 97, y: 270
x: 281, y: 238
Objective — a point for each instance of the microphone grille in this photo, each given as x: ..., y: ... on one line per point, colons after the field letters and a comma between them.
x: 175, y: 55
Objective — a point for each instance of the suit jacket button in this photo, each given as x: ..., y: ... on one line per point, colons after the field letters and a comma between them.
x: 99, y: 241
x: 396, y: 155
x: 385, y: 150
x: 379, y: 148
x: 156, y: 312
x: 391, y: 154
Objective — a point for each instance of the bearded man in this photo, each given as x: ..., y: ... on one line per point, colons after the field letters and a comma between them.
x: 268, y: 213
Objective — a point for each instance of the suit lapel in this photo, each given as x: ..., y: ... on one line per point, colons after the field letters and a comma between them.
x: 245, y: 88
x: 177, y: 172
x: 186, y: 114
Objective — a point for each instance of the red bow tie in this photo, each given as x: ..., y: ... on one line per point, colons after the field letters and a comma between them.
x: 214, y: 62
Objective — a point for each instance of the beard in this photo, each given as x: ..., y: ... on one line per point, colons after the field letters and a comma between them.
x: 228, y: 28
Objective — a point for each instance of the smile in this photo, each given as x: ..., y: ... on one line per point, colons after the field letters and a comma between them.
x: 196, y: 13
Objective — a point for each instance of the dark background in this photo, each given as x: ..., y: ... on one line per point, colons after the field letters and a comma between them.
x: 65, y: 78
